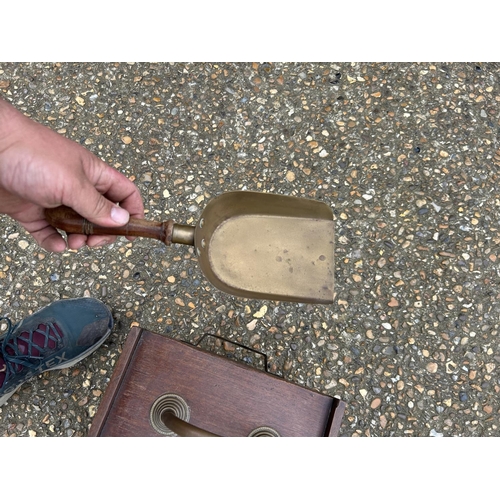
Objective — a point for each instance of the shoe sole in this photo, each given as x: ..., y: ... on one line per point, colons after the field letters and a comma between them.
x: 69, y: 364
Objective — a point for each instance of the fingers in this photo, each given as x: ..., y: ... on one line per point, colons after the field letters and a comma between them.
x: 45, y: 235
x: 51, y: 240
x: 107, y: 197
x: 92, y: 205
x: 77, y: 241
x: 117, y: 188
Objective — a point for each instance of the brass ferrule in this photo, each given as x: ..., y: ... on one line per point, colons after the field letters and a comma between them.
x: 183, y: 234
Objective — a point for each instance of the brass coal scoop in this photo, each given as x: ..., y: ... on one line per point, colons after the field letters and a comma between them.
x: 249, y: 244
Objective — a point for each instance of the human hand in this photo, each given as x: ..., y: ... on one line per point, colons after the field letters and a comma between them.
x: 40, y: 169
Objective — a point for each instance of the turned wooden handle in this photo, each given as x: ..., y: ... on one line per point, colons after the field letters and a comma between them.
x: 66, y: 219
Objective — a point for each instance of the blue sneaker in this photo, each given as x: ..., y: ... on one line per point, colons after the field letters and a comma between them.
x: 56, y: 337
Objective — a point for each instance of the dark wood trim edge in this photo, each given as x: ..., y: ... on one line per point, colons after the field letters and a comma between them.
x: 121, y: 367
x: 335, y: 419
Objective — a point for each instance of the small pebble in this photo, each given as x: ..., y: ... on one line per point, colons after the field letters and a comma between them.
x: 261, y: 312
x: 432, y: 367
x: 251, y: 326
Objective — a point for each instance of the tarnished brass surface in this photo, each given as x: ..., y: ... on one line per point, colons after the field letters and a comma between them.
x: 183, y: 234
x: 281, y: 256
x: 259, y: 245
x: 183, y: 428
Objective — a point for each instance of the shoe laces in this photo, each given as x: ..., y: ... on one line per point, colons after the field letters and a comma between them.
x: 26, y: 349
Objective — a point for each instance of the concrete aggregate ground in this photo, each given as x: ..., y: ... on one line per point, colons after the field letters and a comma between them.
x: 408, y: 157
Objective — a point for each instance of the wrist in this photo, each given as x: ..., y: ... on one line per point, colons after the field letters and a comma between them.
x: 9, y: 124
x: 9, y: 117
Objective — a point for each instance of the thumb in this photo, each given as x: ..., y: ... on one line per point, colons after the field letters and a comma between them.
x: 92, y: 205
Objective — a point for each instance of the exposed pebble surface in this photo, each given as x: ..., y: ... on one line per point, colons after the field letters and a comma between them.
x: 408, y: 157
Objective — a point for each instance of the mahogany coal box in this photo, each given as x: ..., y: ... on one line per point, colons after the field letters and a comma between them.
x: 206, y: 394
